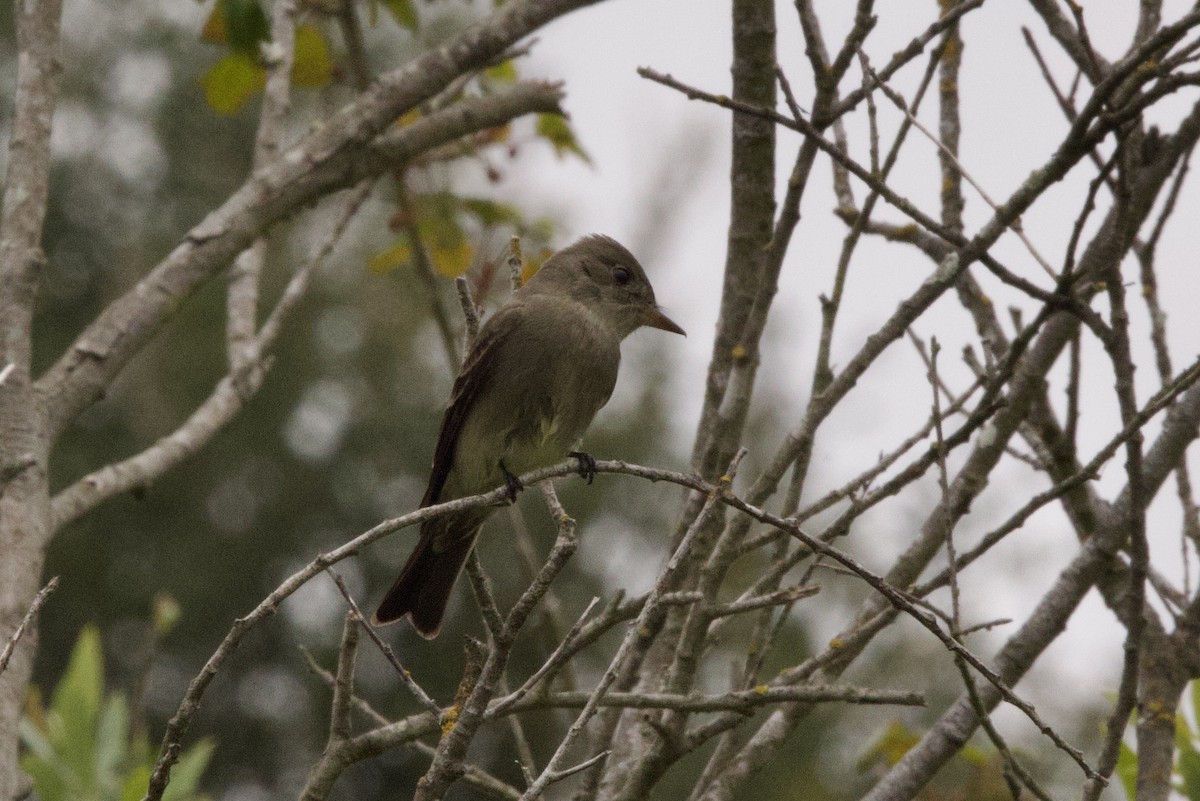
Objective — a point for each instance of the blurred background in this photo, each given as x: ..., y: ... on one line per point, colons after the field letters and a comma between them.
x: 342, y: 433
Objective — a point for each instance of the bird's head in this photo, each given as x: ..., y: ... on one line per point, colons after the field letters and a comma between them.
x: 598, y: 272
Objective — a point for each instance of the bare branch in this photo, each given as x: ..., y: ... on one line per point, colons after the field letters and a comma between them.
x: 551, y: 661
x: 678, y: 558
x: 241, y: 296
x: 337, y: 154
x: 34, y: 607
x: 742, y: 701
x: 405, y: 676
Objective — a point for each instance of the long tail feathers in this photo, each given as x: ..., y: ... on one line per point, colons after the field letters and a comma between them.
x: 423, y: 588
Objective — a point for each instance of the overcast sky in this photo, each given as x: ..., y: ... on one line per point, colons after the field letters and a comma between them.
x: 647, y: 141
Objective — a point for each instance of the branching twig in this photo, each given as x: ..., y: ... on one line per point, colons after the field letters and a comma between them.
x: 405, y: 676
x: 226, y: 401
x: 715, y: 494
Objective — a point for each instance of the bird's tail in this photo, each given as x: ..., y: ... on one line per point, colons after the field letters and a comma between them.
x: 423, y: 588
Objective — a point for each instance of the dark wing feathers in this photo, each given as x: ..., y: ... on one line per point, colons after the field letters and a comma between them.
x: 477, y: 372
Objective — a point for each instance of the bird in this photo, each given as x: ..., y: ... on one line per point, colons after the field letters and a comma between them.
x: 534, y: 377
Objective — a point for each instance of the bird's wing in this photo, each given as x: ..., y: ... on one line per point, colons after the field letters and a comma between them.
x: 477, y: 372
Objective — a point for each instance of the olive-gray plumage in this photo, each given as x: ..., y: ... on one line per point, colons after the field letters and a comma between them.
x: 537, y: 373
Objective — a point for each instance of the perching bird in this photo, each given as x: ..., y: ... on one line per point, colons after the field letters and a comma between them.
x: 535, y: 376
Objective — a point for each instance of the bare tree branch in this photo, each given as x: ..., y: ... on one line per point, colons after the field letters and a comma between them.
x: 24, y: 450
x: 335, y: 155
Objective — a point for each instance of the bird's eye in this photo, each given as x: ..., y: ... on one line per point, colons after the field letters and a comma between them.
x: 622, y: 276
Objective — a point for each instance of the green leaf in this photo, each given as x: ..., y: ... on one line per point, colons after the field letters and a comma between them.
x: 398, y: 255
x: 504, y: 72
x: 489, y: 212
x: 311, y: 67
x: 555, y: 130
x: 52, y: 779
x: 112, y: 745
x: 442, y: 235
x: 166, y: 613
x: 1126, y: 770
x: 888, y: 749
x: 1183, y: 735
x: 136, y: 782
x: 454, y: 260
x: 437, y: 221
x: 85, y: 750
x: 231, y: 82
x: 75, y: 708
x: 246, y: 25
x: 1194, y: 688
x: 185, y: 776
x: 1189, y: 771
x: 403, y: 12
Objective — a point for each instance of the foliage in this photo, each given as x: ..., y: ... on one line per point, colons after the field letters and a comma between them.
x: 86, y: 747
x: 357, y: 340
x: 240, y: 27
x: 337, y: 439
x: 975, y: 772
x: 1186, y: 779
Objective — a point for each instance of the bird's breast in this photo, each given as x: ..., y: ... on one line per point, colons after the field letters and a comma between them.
x: 564, y: 371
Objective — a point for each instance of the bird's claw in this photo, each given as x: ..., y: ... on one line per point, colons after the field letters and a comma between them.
x: 587, y: 465
x: 513, y: 484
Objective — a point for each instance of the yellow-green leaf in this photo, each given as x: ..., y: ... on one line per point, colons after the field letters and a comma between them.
x: 453, y: 261
x: 166, y: 613
x: 1194, y: 688
x: 75, y: 704
x: 1189, y: 771
x: 555, y: 130
x: 1127, y: 766
x: 398, y: 255
x: 403, y: 12
x: 533, y: 264
x: 408, y: 117
x: 135, y: 783
x: 437, y: 218
x: 185, y: 777
x: 895, y: 741
x: 489, y: 212
x: 504, y: 72
x: 312, y: 67
x: 231, y: 82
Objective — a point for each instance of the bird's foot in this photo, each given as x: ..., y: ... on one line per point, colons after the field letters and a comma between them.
x: 513, y: 484
x: 587, y: 465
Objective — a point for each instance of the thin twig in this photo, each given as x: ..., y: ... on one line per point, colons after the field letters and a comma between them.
x: 405, y: 676
x: 776, y: 598
x: 1014, y: 771
x: 516, y: 263
x: 343, y: 685
x: 471, y: 774
x: 1015, y: 225
x: 482, y: 586
x: 227, y: 398
x: 633, y: 633
x: 551, y: 662
x: 470, y: 312
x: 36, y: 605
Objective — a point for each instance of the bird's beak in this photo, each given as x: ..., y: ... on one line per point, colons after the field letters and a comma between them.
x: 656, y: 319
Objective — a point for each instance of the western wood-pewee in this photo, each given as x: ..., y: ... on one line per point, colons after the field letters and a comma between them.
x: 537, y: 373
